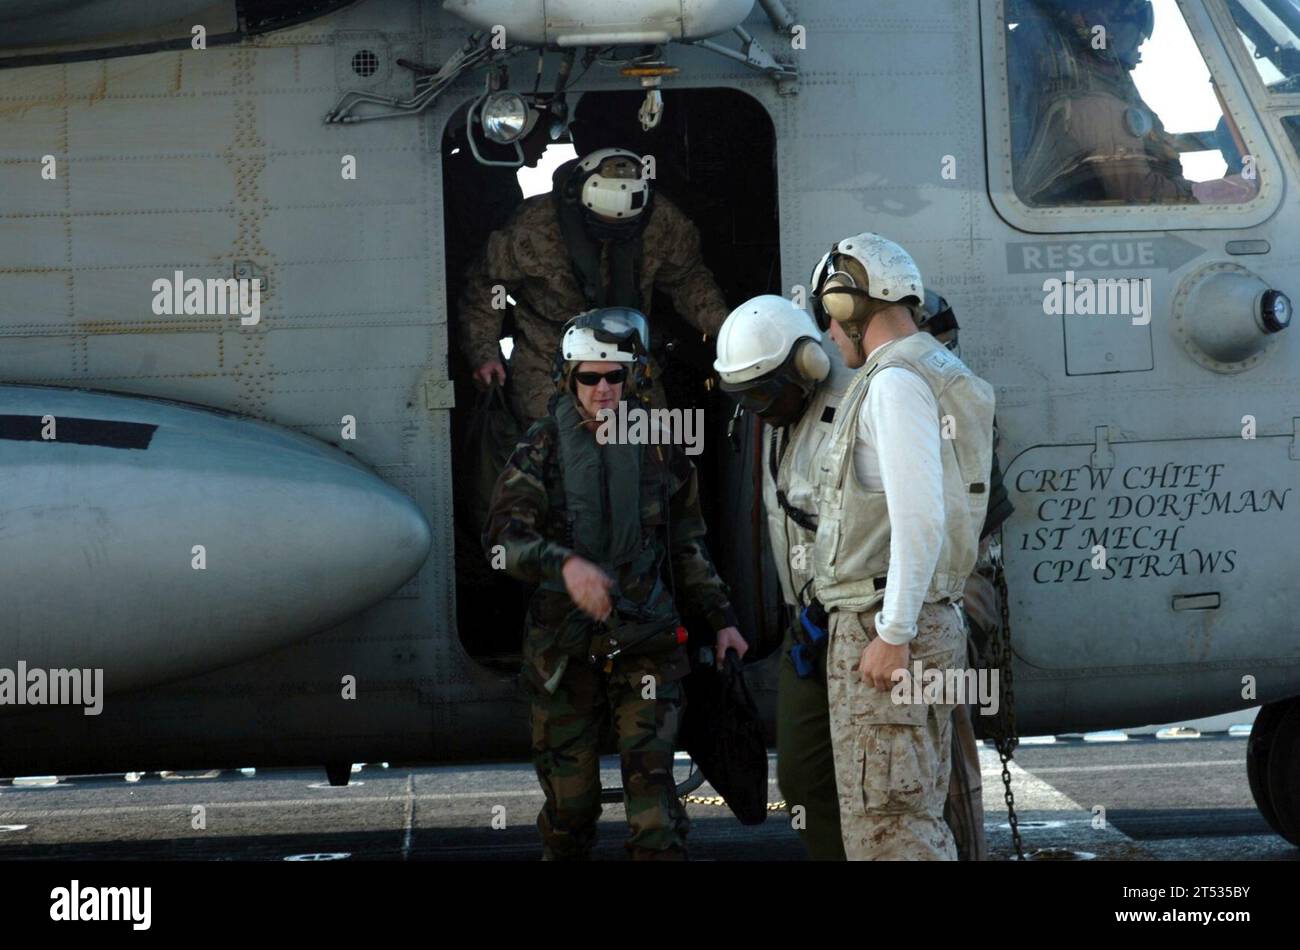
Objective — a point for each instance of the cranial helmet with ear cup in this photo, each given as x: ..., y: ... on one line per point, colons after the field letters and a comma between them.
x: 764, y: 335
x: 610, y: 187
x: 766, y: 346
x: 892, y: 277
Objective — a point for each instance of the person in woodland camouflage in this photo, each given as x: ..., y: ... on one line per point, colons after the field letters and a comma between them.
x: 592, y: 522
x: 601, y: 237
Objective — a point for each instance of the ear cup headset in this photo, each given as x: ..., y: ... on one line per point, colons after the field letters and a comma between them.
x: 857, y: 278
x: 838, y: 297
x: 803, y: 369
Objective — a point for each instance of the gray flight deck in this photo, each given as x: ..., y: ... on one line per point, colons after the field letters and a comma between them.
x: 1179, y: 799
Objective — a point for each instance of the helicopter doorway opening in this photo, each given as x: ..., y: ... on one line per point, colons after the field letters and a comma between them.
x: 714, y: 157
x: 538, y: 180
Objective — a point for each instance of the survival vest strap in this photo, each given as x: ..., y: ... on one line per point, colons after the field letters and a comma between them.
x: 625, y: 257
x: 800, y: 517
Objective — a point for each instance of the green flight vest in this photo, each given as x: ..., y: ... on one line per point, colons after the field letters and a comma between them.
x: 604, y: 497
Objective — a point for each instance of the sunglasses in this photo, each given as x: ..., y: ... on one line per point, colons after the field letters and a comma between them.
x: 613, y: 377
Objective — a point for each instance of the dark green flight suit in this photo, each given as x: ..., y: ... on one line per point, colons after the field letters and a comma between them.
x: 805, y: 760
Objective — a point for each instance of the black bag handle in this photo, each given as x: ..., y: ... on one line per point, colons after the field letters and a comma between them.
x: 735, y: 676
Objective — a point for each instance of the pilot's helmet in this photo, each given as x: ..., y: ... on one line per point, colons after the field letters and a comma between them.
x: 938, y: 320
x: 1128, y: 24
x: 604, y: 335
x: 613, y: 192
x: 770, y: 357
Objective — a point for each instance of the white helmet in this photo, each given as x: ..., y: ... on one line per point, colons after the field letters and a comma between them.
x: 613, y: 184
x: 604, y: 335
x: 770, y: 358
x: 608, y: 334
x: 892, y: 276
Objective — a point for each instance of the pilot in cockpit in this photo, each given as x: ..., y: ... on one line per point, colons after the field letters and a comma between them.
x: 1081, y: 131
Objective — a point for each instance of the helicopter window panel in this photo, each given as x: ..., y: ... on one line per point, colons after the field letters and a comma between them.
x: 1291, y: 123
x: 1113, y: 104
x: 1270, y: 31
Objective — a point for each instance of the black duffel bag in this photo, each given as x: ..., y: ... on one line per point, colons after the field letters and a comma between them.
x: 723, y: 733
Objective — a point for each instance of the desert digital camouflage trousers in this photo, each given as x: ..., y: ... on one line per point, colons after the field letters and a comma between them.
x: 805, y: 768
x: 892, y: 760
x: 567, y: 729
x: 963, y: 811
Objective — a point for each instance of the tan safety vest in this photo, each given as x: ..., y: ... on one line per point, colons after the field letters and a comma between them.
x: 797, y: 447
x: 851, y: 552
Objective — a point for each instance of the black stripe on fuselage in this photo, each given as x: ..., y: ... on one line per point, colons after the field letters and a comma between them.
x: 101, y: 432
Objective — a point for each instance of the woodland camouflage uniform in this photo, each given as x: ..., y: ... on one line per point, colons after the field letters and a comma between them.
x: 529, y: 522
x: 529, y: 258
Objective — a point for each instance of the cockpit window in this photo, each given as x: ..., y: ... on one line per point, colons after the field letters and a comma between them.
x: 1291, y: 123
x: 1270, y: 30
x: 1113, y: 104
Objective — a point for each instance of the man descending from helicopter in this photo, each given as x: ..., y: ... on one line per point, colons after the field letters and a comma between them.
x: 1081, y: 131
x: 602, y: 237
x: 901, y: 486
x: 775, y: 361
x: 595, y: 523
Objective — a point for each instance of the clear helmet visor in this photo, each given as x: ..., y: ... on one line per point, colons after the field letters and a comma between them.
x: 621, y: 326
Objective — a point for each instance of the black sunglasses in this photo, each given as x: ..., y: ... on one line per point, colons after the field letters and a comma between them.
x: 613, y: 377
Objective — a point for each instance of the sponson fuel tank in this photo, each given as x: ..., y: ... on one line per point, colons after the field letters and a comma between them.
x: 155, y: 540
x: 45, y: 31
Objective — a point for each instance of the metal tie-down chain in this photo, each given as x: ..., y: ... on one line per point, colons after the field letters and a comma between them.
x: 1007, y: 739
x: 720, y: 801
